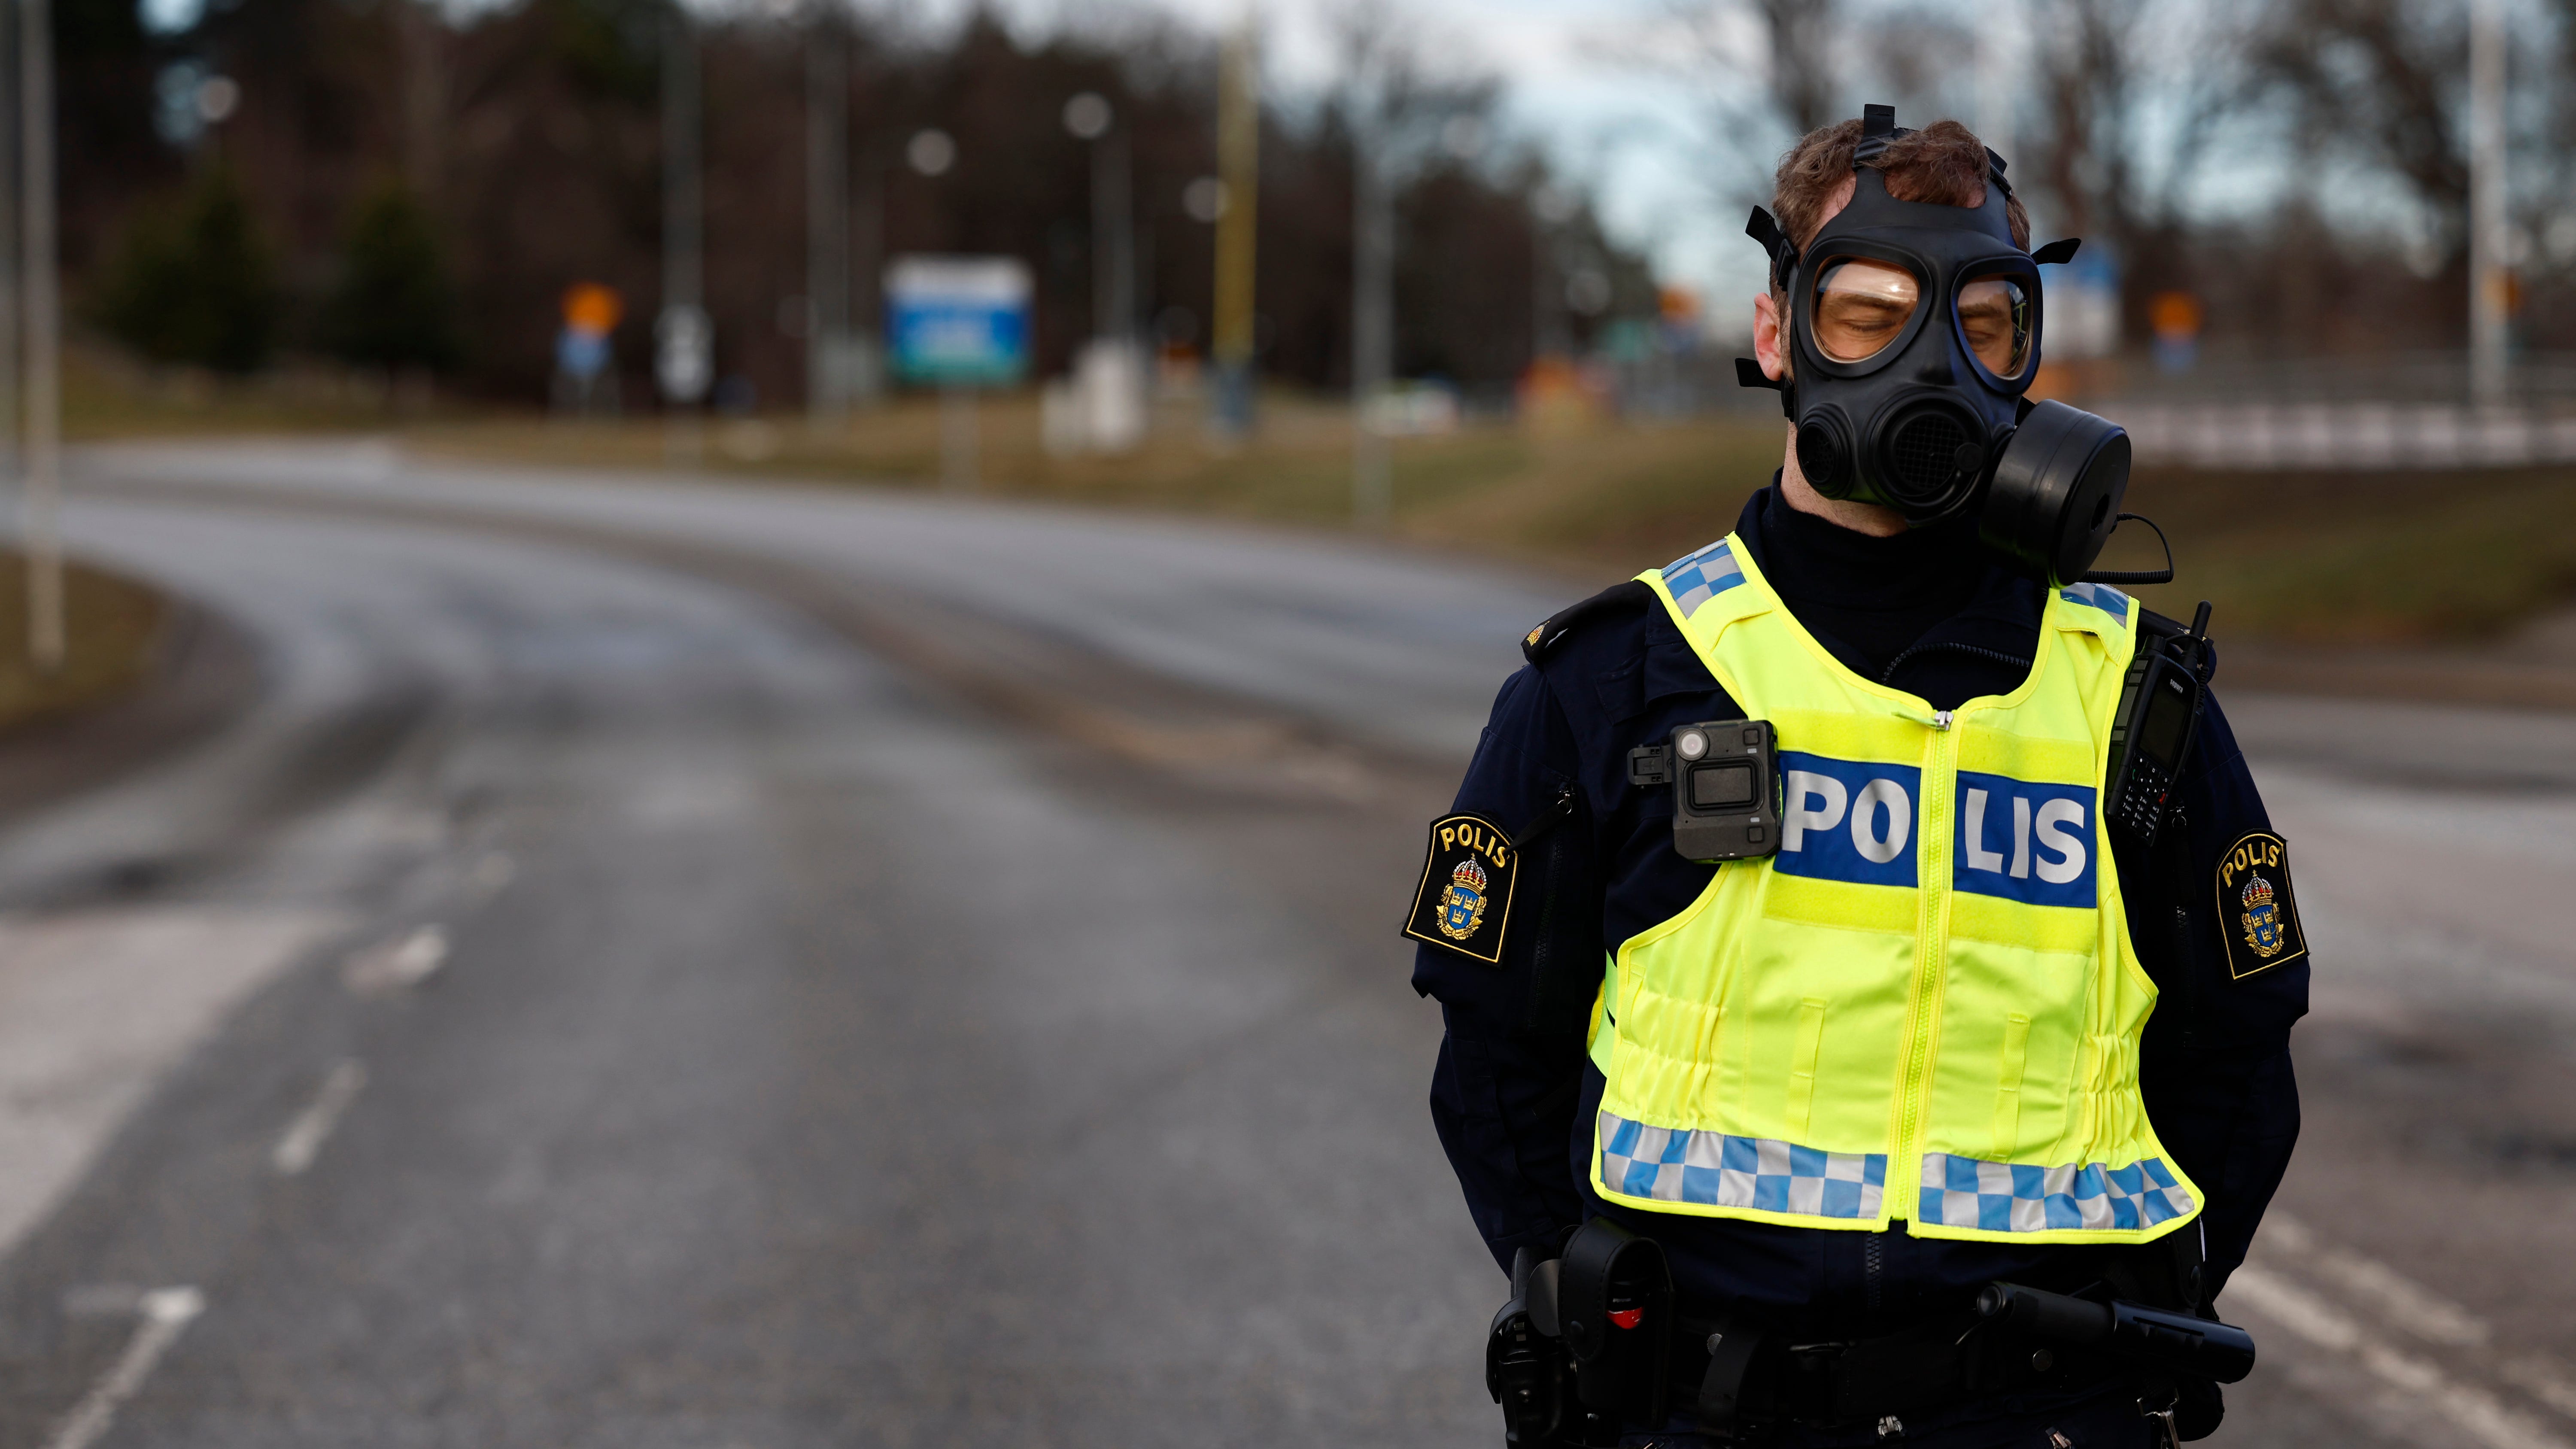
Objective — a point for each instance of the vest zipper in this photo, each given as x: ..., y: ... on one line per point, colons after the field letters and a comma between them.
x: 1922, y: 1022
x: 1873, y: 1263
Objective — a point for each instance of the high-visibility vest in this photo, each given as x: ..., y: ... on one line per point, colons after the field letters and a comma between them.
x: 1929, y: 988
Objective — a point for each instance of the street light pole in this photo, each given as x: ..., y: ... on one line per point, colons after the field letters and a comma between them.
x: 681, y: 333
x: 12, y: 418
x: 2489, y: 280
x: 42, y: 317
x: 1113, y: 284
x: 827, y: 227
x: 1372, y: 316
x: 1238, y: 149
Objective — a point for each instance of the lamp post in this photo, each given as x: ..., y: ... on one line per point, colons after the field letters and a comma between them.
x: 2489, y: 281
x: 827, y: 227
x: 1372, y: 317
x: 1090, y: 118
x: 1238, y: 148
x: 42, y: 317
x: 683, y: 337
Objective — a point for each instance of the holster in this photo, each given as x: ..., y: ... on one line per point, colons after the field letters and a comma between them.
x: 1591, y: 1346
x: 1585, y: 1346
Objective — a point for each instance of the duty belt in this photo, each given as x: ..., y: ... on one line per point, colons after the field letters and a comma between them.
x: 1590, y: 1347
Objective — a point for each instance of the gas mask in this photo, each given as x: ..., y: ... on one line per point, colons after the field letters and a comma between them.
x: 1914, y: 331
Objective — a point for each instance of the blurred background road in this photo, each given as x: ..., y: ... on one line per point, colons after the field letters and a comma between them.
x: 651, y: 963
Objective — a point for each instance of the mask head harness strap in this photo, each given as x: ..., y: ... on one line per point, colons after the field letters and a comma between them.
x: 1784, y: 269
x: 1877, y: 128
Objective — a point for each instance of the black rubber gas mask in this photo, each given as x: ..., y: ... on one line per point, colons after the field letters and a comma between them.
x: 1914, y: 331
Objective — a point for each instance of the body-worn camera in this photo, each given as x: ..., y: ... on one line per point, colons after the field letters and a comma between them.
x: 1725, y: 776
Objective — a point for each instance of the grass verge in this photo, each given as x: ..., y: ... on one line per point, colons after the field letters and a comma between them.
x: 112, y: 626
x: 2371, y: 558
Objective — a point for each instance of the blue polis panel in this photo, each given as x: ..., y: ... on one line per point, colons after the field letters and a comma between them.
x: 2024, y: 842
x: 1842, y: 820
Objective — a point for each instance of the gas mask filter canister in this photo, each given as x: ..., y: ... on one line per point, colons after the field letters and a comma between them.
x: 1914, y: 330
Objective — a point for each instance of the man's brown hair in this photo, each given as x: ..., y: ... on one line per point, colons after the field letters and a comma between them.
x: 1943, y: 163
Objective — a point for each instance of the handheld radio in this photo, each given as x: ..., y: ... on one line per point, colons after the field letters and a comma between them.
x: 2152, y: 733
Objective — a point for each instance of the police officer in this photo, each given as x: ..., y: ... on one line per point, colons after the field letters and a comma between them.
x: 1949, y: 1028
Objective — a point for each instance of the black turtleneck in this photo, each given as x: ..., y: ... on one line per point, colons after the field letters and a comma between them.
x: 1868, y: 597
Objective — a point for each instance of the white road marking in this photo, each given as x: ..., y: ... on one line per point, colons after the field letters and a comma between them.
x: 312, y: 1127
x: 2404, y: 1302
x: 2400, y: 1299
x: 166, y: 1312
x: 2543, y: 1381
x: 398, y: 965
x: 96, y: 1006
x: 2480, y: 1413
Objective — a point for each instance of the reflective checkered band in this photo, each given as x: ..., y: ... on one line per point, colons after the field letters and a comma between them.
x: 2100, y: 596
x: 2003, y: 1197
x: 1696, y: 578
x: 1671, y: 1164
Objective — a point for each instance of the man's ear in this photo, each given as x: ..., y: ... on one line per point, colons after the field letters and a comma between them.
x: 1766, y: 337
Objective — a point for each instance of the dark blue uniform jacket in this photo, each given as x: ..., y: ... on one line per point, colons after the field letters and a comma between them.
x: 1514, y: 1094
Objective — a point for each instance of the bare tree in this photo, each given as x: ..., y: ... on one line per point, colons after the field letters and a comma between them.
x: 1792, y: 44
x: 2116, y: 173
x: 1802, y: 36
x: 2377, y: 82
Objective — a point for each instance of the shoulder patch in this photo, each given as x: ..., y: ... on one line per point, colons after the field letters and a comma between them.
x: 1465, y: 899
x: 1557, y: 625
x: 2258, y: 917
x: 1695, y: 578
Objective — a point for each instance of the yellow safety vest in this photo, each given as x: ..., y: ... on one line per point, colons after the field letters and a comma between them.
x: 1931, y: 982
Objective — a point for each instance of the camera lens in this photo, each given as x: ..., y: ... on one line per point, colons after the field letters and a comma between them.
x: 1694, y: 745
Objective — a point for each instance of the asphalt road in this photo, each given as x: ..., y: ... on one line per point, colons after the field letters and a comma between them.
x: 738, y: 967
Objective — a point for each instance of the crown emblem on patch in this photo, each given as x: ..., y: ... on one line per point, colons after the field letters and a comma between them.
x: 2262, y: 920
x: 1462, y: 906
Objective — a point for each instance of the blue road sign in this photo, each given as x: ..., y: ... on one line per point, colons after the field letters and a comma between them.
x: 958, y: 320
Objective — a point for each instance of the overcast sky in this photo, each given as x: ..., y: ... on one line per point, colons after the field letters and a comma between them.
x: 1573, y: 84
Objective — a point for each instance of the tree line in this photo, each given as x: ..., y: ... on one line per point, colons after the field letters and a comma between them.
x: 379, y: 183
x: 2299, y: 165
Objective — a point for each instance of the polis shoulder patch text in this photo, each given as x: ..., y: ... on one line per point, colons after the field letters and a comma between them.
x: 1465, y: 899
x: 2257, y: 916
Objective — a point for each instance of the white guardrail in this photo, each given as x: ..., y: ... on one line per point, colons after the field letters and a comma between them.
x: 2345, y: 436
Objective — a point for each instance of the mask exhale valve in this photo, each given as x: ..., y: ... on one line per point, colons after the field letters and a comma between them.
x: 1913, y: 334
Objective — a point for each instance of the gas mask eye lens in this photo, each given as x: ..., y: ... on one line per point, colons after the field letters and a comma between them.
x: 1860, y: 307
x: 1994, y: 320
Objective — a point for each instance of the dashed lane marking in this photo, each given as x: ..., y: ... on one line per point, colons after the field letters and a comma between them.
x: 2403, y: 1301
x: 2484, y: 1416
x: 398, y: 965
x: 312, y: 1127
x: 2410, y: 1305
x: 166, y: 1312
x: 2542, y: 1380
